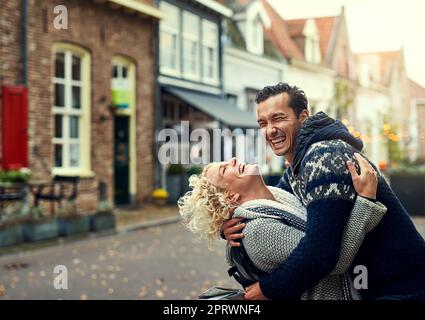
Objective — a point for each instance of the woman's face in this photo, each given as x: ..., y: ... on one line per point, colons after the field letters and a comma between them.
x: 233, y: 176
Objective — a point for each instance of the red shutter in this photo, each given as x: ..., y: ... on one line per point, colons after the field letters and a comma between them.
x: 15, y: 127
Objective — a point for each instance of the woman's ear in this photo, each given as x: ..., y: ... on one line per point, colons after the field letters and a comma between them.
x: 234, y: 197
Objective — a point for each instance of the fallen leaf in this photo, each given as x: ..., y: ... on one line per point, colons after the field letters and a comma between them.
x: 2, y: 290
x: 159, y: 294
x: 143, y: 292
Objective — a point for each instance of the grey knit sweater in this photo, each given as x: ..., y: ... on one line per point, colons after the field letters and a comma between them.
x: 268, y: 241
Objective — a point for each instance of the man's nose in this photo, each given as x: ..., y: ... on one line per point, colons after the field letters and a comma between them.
x: 233, y: 161
x: 271, y: 131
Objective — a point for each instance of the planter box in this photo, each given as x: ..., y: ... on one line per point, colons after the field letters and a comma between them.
x: 99, y: 222
x: 72, y: 226
x: 10, y: 236
x: 41, y: 231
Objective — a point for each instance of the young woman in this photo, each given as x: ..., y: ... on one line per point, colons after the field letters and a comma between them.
x: 275, y: 219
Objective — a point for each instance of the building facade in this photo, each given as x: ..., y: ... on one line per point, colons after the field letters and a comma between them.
x: 191, y: 81
x: 89, y: 70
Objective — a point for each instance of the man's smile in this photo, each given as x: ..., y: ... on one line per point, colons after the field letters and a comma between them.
x: 278, y: 141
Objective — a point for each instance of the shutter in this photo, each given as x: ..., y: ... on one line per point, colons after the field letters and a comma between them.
x: 15, y: 127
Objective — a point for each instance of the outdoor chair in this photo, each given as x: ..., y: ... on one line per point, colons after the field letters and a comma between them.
x: 62, y: 188
x: 11, y: 193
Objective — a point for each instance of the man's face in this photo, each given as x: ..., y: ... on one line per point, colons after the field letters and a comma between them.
x: 279, y: 124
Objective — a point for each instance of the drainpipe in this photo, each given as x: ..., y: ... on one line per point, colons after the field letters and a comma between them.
x: 24, y: 41
x: 157, y: 109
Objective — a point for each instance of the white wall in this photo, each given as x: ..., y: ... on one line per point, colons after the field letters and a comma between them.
x: 318, y: 87
x: 371, y: 105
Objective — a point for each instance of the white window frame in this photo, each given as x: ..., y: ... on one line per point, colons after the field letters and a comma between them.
x: 189, y: 36
x: 254, y: 29
x: 84, y: 125
x: 168, y: 29
x: 213, y: 44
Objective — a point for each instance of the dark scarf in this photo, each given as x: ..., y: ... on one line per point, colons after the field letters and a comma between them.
x: 321, y: 127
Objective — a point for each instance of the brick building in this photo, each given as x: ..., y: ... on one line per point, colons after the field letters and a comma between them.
x: 91, y: 92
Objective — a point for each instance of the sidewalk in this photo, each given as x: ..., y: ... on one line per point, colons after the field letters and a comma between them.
x: 126, y: 220
x: 148, y: 215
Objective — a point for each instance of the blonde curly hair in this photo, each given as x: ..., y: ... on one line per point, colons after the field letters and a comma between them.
x: 205, y: 207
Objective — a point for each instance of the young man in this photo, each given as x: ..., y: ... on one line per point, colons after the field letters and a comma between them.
x: 317, y: 149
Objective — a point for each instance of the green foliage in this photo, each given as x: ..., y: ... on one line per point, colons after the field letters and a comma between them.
x: 176, y: 169
x: 15, y: 176
x: 194, y: 170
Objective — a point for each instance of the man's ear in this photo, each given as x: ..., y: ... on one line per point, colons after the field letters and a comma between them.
x: 234, y: 197
x: 304, y: 115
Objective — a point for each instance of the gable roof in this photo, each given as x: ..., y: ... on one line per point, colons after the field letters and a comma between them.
x: 387, y: 61
x: 326, y: 26
x: 416, y: 91
x: 278, y: 33
x: 296, y: 27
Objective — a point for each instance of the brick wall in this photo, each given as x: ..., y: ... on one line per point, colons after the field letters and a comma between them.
x: 104, y: 31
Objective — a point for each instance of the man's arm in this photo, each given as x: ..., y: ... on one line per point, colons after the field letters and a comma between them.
x: 330, y: 198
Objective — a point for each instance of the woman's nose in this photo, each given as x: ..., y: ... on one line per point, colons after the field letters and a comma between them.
x: 233, y: 161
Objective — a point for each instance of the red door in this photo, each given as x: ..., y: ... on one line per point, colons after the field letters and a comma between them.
x: 15, y: 127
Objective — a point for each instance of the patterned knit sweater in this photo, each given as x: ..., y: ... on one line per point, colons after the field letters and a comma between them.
x: 393, y: 253
x: 274, y: 228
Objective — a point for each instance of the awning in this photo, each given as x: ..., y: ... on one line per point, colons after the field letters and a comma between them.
x: 216, y: 107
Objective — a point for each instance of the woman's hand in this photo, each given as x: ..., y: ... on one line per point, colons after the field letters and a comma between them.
x: 366, y: 184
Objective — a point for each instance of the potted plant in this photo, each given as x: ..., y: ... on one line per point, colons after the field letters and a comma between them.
x: 160, y: 196
x: 175, y: 177
x: 11, y: 232
x: 72, y: 222
x: 39, y: 227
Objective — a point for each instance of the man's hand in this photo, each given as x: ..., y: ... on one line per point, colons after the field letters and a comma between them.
x: 232, y: 231
x: 365, y: 183
x: 253, y: 292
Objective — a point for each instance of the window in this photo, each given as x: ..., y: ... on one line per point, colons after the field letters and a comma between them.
x: 169, y: 39
x: 251, y: 105
x: 190, y: 45
x: 71, y: 140
x: 312, y: 50
x: 256, y: 37
x: 232, y: 98
x: 121, y: 84
x: 210, y: 51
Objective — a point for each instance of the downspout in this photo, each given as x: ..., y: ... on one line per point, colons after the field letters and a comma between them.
x: 24, y: 41
x: 157, y: 108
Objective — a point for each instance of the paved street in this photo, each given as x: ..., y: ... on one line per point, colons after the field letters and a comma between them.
x: 163, y: 262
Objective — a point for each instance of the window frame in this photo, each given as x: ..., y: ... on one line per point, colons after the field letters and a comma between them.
x: 67, y: 111
x: 164, y: 28
x: 214, y: 45
x: 193, y: 38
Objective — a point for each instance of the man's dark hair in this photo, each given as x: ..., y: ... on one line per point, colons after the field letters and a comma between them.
x: 297, y: 99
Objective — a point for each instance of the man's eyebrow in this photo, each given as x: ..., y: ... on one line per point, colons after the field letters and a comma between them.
x: 279, y: 114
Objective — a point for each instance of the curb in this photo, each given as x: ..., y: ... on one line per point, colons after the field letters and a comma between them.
x: 34, y: 247
x: 148, y: 224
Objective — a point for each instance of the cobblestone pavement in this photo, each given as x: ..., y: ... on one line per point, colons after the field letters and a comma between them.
x: 163, y: 262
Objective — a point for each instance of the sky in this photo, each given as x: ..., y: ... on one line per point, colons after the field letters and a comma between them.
x: 373, y: 25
